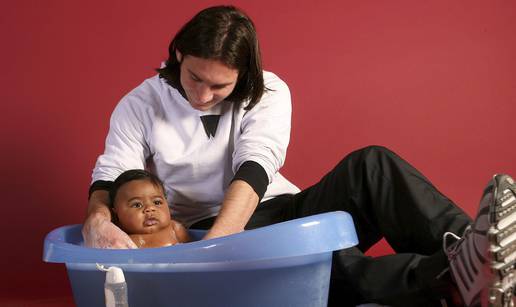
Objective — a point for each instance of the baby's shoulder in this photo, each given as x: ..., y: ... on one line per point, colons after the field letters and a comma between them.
x: 180, y: 232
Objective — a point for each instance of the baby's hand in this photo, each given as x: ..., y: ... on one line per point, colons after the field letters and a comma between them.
x: 99, y: 232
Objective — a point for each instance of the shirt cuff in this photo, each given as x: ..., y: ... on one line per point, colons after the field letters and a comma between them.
x: 100, y: 185
x: 254, y: 174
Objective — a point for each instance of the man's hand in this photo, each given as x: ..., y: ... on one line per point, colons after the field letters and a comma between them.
x: 99, y: 232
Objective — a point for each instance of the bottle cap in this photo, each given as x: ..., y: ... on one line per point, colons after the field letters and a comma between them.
x: 115, y: 275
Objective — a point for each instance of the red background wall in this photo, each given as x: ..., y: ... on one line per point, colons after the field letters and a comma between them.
x: 432, y: 80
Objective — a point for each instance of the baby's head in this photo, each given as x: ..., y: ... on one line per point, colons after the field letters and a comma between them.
x: 139, y: 204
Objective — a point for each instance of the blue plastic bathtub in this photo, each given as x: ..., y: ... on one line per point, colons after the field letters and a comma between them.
x: 286, y: 264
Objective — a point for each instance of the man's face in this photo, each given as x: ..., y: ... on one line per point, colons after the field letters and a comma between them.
x: 206, y: 82
x: 141, y: 208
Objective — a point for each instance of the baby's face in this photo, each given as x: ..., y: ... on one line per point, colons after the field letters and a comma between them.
x: 141, y: 208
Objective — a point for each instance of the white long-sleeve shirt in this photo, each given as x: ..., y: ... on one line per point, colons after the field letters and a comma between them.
x: 154, y: 126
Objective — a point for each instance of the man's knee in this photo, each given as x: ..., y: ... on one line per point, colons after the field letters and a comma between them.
x: 373, y: 151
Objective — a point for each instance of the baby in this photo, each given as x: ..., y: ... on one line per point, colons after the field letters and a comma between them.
x: 140, y: 208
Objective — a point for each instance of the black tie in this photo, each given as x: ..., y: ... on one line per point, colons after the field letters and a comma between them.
x: 210, y: 123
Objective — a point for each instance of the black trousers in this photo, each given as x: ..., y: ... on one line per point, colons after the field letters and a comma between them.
x: 387, y: 198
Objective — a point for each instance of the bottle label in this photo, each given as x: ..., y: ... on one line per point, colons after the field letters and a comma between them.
x: 110, y: 298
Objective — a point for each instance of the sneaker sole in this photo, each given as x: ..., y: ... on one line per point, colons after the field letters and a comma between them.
x: 502, y: 239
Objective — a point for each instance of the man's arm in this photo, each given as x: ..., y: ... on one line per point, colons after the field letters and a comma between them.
x: 126, y: 148
x: 98, y: 204
x: 239, y: 204
x: 259, y: 152
x: 98, y: 231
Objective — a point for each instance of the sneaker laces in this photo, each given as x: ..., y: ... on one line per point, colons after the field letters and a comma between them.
x: 450, y: 249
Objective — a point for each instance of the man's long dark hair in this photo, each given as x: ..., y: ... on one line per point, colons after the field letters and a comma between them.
x: 226, y: 34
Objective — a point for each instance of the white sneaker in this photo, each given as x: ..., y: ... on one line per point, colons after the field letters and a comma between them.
x: 482, y: 262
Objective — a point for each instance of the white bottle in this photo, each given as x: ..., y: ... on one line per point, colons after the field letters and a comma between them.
x: 115, y: 288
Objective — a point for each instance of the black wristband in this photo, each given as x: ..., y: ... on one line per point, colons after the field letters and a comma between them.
x: 100, y: 185
x: 254, y: 174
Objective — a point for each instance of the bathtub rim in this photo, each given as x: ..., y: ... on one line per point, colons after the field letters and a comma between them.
x: 316, y: 234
